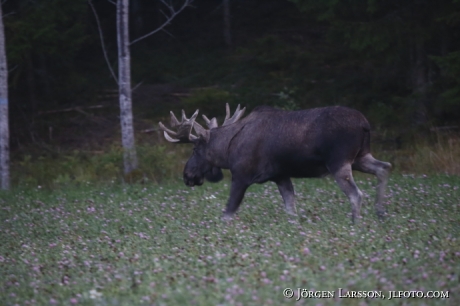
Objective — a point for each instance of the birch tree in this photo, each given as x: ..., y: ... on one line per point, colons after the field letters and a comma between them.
x: 124, y: 73
x: 124, y: 87
x: 4, y: 127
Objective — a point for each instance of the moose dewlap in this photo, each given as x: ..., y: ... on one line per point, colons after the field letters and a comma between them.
x: 274, y: 145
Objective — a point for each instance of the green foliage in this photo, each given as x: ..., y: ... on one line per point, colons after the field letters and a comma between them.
x: 369, y: 38
x: 46, y: 44
x: 324, y: 10
x: 52, y: 27
x: 156, y: 163
x: 160, y: 163
x: 450, y: 64
x: 390, y: 33
x: 166, y: 245
x: 287, y: 99
x: 271, y: 53
x: 376, y: 27
x: 209, y: 100
x: 438, y: 157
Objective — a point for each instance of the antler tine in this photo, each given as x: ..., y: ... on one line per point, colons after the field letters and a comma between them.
x: 237, y: 110
x: 165, y: 129
x: 213, y: 123
x: 184, y: 118
x: 195, y: 114
x: 227, y: 112
x: 210, y: 123
x: 236, y: 116
x: 174, y: 121
x: 169, y: 138
x: 240, y: 113
x: 206, y: 119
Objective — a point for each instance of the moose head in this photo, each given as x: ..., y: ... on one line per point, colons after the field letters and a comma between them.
x: 198, y: 167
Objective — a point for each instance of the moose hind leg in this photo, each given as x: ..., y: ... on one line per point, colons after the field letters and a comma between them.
x: 236, y: 196
x: 287, y: 193
x: 368, y: 164
x: 344, y: 178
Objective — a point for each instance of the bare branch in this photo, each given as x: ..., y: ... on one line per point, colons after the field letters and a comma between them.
x: 169, y: 33
x: 173, y: 14
x: 8, y: 14
x: 150, y: 130
x: 102, y: 41
x: 13, y: 69
x: 113, y: 2
x: 164, y: 14
x: 137, y: 86
x: 169, y: 6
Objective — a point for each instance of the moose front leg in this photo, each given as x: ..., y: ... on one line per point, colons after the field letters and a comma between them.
x: 287, y: 193
x: 236, y: 196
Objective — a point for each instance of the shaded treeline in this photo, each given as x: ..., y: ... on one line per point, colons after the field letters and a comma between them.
x: 397, y: 61
x: 413, y: 44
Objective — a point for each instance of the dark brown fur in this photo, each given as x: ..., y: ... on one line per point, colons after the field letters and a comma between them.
x: 275, y: 145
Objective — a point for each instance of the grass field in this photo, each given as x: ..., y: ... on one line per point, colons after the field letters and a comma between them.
x: 166, y: 245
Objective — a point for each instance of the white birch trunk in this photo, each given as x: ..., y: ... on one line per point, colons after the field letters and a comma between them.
x: 124, y: 85
x: 4, y: 127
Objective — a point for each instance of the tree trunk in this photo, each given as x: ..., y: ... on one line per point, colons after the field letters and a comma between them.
x: 4, y: 127
x: 124, y: 85
x: 227, y: 23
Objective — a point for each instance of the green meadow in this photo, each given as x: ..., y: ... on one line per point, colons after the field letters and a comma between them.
x: 150, y: 244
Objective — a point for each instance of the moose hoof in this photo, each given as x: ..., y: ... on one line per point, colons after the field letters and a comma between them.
x: 291, y: 213
x: 226, y: 217
x: 356, y: 220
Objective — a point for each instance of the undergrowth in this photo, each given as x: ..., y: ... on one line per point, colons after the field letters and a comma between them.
x: 160, y: 162
x: 157, y: 163
x: 425, y: 156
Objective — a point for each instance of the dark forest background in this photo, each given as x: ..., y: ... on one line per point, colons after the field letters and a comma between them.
x: 396, y: 61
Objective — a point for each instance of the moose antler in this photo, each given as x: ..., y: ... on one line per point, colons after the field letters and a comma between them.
x: 236, y: 116
x: 184, y: 128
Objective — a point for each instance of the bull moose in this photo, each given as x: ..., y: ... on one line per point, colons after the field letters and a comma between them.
x: 276, y: 145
